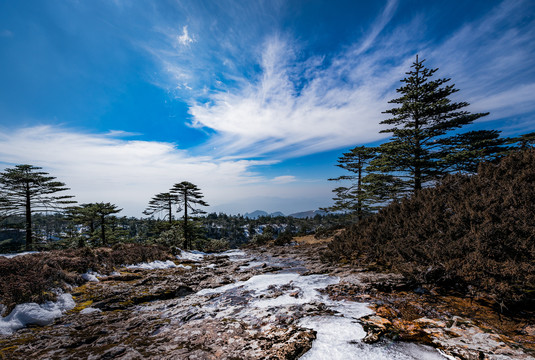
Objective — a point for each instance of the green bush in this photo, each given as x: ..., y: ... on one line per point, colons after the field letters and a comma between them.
x: 284, y: 238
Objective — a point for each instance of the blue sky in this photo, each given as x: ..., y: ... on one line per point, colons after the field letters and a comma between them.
x: 253, y: 101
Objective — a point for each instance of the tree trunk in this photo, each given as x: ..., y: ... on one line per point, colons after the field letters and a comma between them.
x: 170, y: 212
x: 359, y: 192
x: 186, y: 234
x: 103, y: 230
x: 29, y: 244
x: 418, y: 146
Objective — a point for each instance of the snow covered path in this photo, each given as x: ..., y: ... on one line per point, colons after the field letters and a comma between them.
x: 339, y: 336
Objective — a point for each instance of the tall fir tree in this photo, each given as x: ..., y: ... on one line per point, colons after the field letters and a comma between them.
x: 424, y: 115
x: 27, y: 190
x: 189, y: 196
x: 354, y: 198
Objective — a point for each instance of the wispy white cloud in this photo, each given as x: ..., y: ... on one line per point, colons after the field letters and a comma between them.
x: 378, y: 26
x: 339, y: 104
x: 491, y: 61
x: 185, y: 39
x: 101, y: 167
x: 302, y: 106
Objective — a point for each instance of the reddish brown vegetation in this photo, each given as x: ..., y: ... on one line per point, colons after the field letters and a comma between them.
x: 472, y: 233
x: 30, y: 278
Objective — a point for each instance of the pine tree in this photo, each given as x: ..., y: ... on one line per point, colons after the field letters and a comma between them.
x: 523, y: 141
x: 425, y: 114
x: 189, y: 195
x: 86, y: 215
x: 356, y: 197
x: 162, y: 202
x: 26, y: 190
x: 103, y: 210
x: 463, y: 153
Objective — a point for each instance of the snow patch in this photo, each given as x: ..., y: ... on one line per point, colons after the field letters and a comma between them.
x: 338, y: 336
x: 10, y: 256
x: 90, y: 310
x: 91, y: 276
x: 193, y: 255
x: 32, y: 313
x: 234, y: 255
x: 158, y: 264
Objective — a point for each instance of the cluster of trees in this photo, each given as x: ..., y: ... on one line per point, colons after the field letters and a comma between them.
x: 425, y: 145
x: 27, y: 192
x: 474, y: 234
x: 32, y: 200
x: 455, y: 207
x: 183, y: 196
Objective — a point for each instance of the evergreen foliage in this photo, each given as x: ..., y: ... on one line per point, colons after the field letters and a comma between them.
x: 424, y: 115
x: 463, y: 152
x: 85, y: 215
x: 103, y: 210
x: 357, y: 197
x: 26, y: 190
x: 524, y: 141
x: 92, y: 214
x: 162, y: 202
x: 189, y: 196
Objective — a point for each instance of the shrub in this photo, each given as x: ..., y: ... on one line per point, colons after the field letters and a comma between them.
x: 284, y: 238
x: 467, y: 232
x: 216, y: 245
x: 30, y: 278
x: 323, y: 232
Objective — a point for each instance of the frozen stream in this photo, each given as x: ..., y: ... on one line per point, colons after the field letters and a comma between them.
x: 339, y: 336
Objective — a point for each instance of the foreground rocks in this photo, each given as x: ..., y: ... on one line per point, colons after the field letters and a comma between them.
x: 142, y: 314
x: 160, y: 314
x: 462, y: 328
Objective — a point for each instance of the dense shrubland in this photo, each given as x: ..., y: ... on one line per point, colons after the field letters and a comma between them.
x: 475, y: 234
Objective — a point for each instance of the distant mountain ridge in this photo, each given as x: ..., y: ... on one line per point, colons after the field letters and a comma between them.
x: 258, y: 213
x: 299, y: 215
x: 308, y: 214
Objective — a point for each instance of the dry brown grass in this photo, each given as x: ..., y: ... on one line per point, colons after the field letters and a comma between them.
x: 31, y: 278
x: 311, y: 240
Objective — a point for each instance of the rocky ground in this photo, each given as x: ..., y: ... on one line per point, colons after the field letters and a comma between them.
x: 174, y: 314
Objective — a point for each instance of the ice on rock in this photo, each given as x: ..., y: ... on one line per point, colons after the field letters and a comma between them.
x: 257, y: 283
x: 251, y: 265
x: 234, y: 255
x: 192, y: 255
x: 91, y: 276
x: 32, y: 313
x: 90, y: 310
x: 338, y: 336
x: 10, y: 256
x: 158, y: 264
